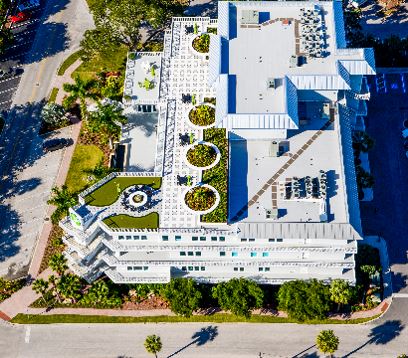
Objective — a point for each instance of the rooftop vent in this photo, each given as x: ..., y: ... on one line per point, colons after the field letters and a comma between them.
x: 271, y: 83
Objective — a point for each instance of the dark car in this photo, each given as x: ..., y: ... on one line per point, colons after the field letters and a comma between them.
x: 57, y: 143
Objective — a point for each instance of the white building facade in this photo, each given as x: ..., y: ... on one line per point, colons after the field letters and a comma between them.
x: 289, y: 93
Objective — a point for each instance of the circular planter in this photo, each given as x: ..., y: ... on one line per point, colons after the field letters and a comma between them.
x: 197, y: 126
x: 137, y: 199
x: 213, y: 164
x: 206, y: 211
x: 196, y: 52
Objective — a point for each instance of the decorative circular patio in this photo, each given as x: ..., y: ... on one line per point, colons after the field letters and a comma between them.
x: 193, y: 163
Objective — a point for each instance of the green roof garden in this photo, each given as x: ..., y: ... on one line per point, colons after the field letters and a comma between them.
x: 122, y: 221
x: 108, y: 193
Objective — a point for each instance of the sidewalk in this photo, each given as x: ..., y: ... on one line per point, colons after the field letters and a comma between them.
x: 65, y: 78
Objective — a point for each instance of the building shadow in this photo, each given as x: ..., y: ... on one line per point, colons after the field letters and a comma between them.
x: 209, y: 9
x: 381, y: 335
x: 199, y: 338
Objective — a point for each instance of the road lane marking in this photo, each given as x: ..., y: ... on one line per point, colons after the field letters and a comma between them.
x: 27, y: 335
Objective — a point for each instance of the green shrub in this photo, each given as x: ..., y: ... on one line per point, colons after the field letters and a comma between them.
x: 201, y: 155
x: 202, y: 115
x: 183, y: 296
x: 202, y: 43
x: 200, y: 198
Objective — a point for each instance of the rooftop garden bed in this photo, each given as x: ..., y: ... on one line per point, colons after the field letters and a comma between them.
x: 202, y: 115
x: 218, y: 175
x: 200, y: 198
x: 108, y: 193
x: 201, y: 155
x: 150, y: 221
x: 202, y: 43
x: 212, y: 30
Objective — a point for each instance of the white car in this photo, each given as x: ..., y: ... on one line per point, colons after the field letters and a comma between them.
x: 28, y: 5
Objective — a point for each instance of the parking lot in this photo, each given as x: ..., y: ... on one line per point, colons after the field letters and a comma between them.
x: 387, y: 214
x: 15, y: 56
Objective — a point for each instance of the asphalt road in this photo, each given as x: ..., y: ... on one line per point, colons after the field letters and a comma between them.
x: 386, y: 337
x: 26, y: 173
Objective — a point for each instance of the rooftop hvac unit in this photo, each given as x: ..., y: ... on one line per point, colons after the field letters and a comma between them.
x: 271, y: 83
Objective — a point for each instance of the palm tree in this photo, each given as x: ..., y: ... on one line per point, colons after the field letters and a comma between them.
x: 80, y: 90
x: 340, y: 292
x: 153, y: 344
x: 70, y: 287
x: 53, y: 280
x: 63, y: 199
x: 40, y: 286
x: 327, y: 342
x: 107, y: 119
x: 58, y: 263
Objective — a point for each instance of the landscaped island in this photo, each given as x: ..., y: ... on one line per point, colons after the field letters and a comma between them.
x: 200, y: 198
x: 202, y: 43
x: 202, y: 115
x: 150, y: 221
x: 201, y: 155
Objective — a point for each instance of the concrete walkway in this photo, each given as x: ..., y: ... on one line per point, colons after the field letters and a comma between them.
x: 65, y: 78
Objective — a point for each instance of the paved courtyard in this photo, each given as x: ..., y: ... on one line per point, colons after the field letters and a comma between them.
x: 387, y: 214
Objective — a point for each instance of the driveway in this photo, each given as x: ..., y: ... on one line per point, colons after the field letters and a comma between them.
x: 27, y: 175
x: 387, y: 214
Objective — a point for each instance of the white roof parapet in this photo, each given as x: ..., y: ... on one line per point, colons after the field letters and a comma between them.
x: 221, y: 109
x: 223, y: 19
x: 214, y: 67
x: 259, y: 121
x: 340, y: 34
x: 319, y: 82
x: 291, y: 101
x: 337, y: 231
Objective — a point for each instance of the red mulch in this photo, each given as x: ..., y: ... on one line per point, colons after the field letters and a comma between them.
x: 150, y: 303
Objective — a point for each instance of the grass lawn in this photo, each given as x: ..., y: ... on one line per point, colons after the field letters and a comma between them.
x: 150, y: 221
x: 86, y: 157
x: 53, y: 94
x: 116, y: 62
x: 108, y: 193
x: 69, y: 61
x: 216, y: 318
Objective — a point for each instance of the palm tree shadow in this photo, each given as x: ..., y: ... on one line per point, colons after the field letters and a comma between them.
x: 381, y: 334
x: 201, y: 337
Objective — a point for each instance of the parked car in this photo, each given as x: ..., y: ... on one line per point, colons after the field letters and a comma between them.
x: 20, y: 17
x: 52, y: 145
x: 7, y: 72
x: 28, y: 5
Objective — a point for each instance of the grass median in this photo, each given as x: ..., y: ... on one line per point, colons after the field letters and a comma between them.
x: 216, y: 318
x: 69, y: 61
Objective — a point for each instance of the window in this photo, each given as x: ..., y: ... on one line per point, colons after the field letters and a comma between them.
x: 120, y: 237
x: 265, y: 254
x: 267, y: 269
x: 178, y: 238
x: 235, y: 268
x: 203, y: 238
x: 260, y: 269
x: 129, y: 268
x: 253, y: 254
x: 213, y: 238
x: 279, y: 240
x: 222, y: 253
x: 202, y: 268
x: 241, y: 269
x: 190, y: 253
x: 195, y: 238
x: 190, y: 268
x: 145, y: 268
x: 136, y: 237
x: 222, y: 238
x: 196, y: 268
x: 165, y: 238
x: 137, y: 268
x: 243, y: 239
x: 183, y: 268
x: 182, y: 253
x: 251, y: 239
x: 271, y: 240
x: 144, y: 237
x: 198, y: 253
x: 234, y: 254
x: 128, y: 237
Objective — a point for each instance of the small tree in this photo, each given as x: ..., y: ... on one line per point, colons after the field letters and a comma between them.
x: 69, y: 286
x: 40, y: 286
x: 153, y: 344
x: 327, y: 342
x: 58, y: 263
x: 183, y: 296
x: 63, y: 199
x: 54, y: 115
x: 239, y: 296
x: 340, y: 292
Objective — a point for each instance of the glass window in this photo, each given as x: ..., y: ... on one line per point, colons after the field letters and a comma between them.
x: 267, y: 269
x: 145, y: 268
x: 271, y: 240
x: 251, y: 239
x: 190, y: 253
x: 202, y: 268
x: 137, y: 268
x: 260, y: 269
x: 136, y: 237
x: 203, y: 238
x: 182, y: 253
x: 243, y: 239
x: 234, y: 254
x: 213, y: 238
x: 198, y: 253
x: 178, y: 238
x: 195, y: 238
x: 241, y: 269
x: 196, y: 268
x: 165, y: 238
x: 222, y: 253
x: 128, y: 237
x: 190, y: 268
x: 183, y: 268
x: 235, y: 268
x: 265, y: 254
x: 253, y: 254
x: 144, y: 237
x: 129, y: 268
x: 279, y: 240
x: 121, y: 237
x: 222, y: 238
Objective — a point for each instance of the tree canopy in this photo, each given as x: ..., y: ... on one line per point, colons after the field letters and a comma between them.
x: 239, y: 296
x: 340, y: 292
x: 183, y: 296
x: 153, y: 344
x: 304, y: 300
x: 327, y: 342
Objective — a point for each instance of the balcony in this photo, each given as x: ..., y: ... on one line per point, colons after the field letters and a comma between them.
x: 144, y: 277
